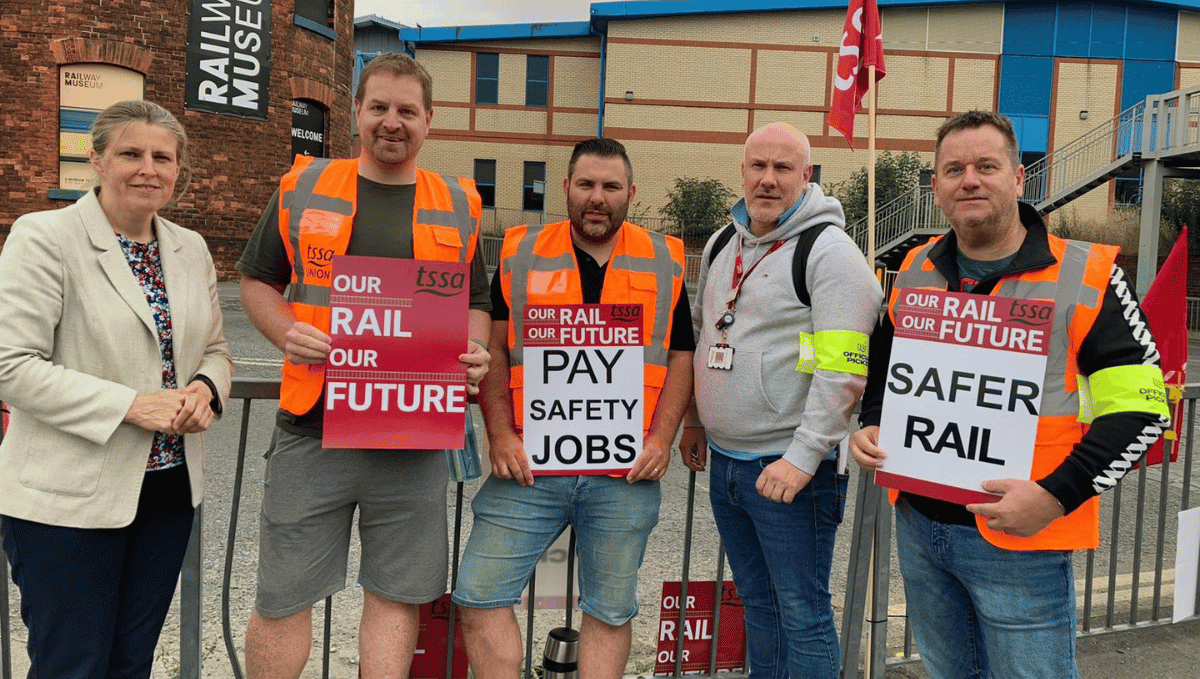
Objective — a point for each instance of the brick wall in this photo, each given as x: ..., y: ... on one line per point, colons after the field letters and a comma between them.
x: 238, y: 161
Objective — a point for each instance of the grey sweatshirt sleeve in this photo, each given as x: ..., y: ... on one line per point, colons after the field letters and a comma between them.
x: 845, y: 297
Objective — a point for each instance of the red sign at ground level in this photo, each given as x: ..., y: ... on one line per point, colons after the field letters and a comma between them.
x: 698, y: 628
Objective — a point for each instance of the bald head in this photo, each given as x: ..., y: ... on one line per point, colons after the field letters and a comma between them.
x: 775, y: 171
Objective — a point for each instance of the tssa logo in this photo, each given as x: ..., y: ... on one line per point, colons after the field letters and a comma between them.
x: 317, y: 261
x: 440, y: 283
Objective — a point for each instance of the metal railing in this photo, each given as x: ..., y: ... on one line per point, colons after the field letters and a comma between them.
x: 899, y: 218
x: 1156, y: 492
x: 1193, y: 313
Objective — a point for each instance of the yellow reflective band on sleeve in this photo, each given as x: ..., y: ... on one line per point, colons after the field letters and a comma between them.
x: 1123, y: 389
x: 843, y: 351
x: 808, y: 355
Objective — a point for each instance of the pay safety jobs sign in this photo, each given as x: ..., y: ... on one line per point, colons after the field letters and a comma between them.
x: 964, y: 390
x: 583, y: 387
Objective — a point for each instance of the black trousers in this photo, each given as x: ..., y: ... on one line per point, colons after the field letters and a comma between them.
x: 94, y: 600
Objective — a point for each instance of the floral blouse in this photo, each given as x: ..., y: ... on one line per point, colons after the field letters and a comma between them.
x: 167, y: 450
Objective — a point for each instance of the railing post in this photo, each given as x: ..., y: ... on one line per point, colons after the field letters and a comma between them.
x: 190, y: 591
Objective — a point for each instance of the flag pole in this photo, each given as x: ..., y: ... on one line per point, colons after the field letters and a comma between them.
x: 871, y: 167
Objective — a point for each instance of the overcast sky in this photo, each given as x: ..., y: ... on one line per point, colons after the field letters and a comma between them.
x: 474, y: 12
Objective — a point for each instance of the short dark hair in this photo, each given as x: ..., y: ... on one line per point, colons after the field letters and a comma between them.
x: 601, y: 147
x: 398, y: 65
x: 975, y: 119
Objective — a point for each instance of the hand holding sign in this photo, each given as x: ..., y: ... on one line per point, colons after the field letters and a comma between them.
x: 509, y: 460
x: 1025, y: 508
x: 652, y: 464
x: 305, y: 344
x: 477, y: 360
x: 864, y: 446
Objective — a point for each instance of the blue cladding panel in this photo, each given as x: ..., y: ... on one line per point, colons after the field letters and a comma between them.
x: 1025, y: 85
x: 1140, y: 78
x: 1108, y: 31
x: 1033, y: 133
x: 1074, y: 29
x: 1151, y: 33
x: 1029, y: 29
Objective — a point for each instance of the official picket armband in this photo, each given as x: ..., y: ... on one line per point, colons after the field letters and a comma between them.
x: 842, y: 351
x: 1122, y: 389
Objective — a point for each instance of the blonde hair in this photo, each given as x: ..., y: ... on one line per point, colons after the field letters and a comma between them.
x: 112, y: 118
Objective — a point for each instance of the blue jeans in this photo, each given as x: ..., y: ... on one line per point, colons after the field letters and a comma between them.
x: 780, y: 555
x: 982, y: 612
x: 514, y: 526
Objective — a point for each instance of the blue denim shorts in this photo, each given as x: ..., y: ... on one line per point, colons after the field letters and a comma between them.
x: 514, y: 526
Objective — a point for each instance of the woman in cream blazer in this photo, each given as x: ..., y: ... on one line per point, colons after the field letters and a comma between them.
x: 113, y: 361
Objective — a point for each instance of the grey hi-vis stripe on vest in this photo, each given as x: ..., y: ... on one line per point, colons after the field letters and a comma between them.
x: 1068, y: 291
x: 303, y: 198
x: 661, y: 265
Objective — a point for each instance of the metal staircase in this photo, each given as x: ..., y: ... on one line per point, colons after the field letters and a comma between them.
x: 1165, y: 128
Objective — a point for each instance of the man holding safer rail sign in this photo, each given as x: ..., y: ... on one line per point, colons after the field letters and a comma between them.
x: 988, y: 580
x: 592, y: 350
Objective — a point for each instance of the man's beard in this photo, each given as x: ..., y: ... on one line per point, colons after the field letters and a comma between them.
x: 596, y: 232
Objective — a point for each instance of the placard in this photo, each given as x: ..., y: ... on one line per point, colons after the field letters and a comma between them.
x: 699, y: 627
x: 584, y: 371
x: 963, y: 392
x: 429, y: 657
x: 393, y: 378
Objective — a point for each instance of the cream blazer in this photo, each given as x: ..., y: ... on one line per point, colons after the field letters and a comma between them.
x: 77, y: 343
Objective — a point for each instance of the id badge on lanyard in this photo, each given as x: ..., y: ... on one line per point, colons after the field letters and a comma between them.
x: 720, y: 355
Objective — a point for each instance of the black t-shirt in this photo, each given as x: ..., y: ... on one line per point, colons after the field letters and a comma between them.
x: 591, y: 279
x: 382, y: 228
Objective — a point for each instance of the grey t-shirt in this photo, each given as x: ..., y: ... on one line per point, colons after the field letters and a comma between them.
x: 382, y: 228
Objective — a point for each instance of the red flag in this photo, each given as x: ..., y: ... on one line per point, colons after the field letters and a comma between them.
x: 1166, y: 311
x: 862, y: 46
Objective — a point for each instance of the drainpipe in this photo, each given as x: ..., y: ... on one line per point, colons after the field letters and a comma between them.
x: 603, y: 72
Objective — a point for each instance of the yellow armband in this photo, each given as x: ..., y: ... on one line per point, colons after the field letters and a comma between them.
x: 843, y: 351
x: 1122, y: 389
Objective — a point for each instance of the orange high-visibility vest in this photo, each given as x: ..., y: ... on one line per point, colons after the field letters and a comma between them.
x: 537, y: 266
x: 317, y: 202
x: 1076, y: 284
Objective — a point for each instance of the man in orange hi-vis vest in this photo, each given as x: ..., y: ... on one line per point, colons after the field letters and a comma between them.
x: 595, y: 257
x: 989, y: 585
x: 379, y: 204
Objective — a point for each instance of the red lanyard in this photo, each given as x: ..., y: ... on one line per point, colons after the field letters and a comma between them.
x: 738, y: 278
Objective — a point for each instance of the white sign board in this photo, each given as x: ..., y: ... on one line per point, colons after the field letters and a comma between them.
x: 584, y: 370
x: 963, y: 392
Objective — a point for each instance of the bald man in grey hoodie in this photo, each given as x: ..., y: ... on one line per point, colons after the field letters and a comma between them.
x: 775, y: 382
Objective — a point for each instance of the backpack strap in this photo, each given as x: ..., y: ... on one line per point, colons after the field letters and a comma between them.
x: 722, y: 239
x: 804, y: 246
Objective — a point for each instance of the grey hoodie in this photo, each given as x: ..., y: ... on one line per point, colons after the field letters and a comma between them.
x: 763, y: 406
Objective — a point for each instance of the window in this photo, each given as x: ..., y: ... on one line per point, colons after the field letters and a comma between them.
x: 535, y: 186
x: 816, y: 175
x: 316, y: 16
x: 537, y: 80
x: 485, y: 181
x: 83, y: 91
x: 308, y: 128
x: 487, y: 78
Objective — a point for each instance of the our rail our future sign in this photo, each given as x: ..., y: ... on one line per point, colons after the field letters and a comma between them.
x: 393, y: 378
x: 964, y: 390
